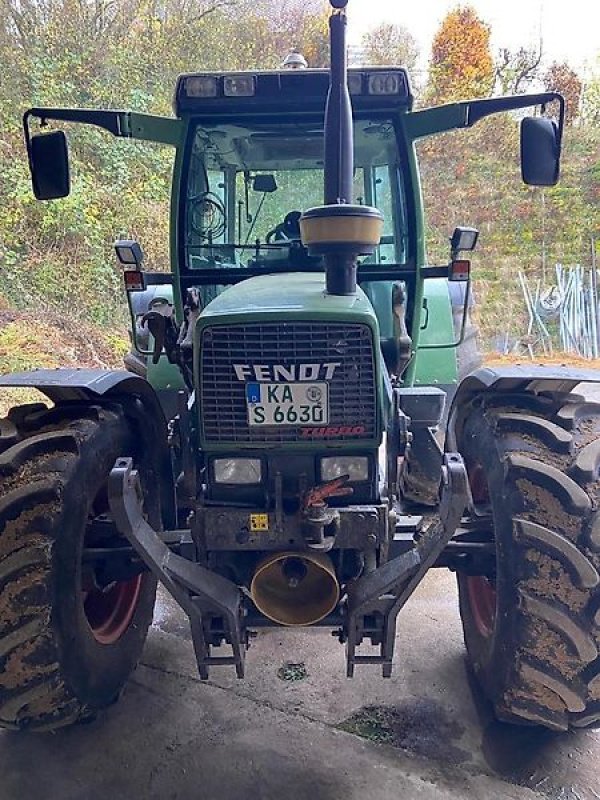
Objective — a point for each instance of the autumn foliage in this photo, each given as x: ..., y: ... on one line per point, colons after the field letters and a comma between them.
x: 561, y: 78
x: 461, y: 62
x: 390, y: 44
x: 57, y: 257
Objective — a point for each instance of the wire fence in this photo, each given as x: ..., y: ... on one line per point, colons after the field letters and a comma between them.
x: 563, y: 316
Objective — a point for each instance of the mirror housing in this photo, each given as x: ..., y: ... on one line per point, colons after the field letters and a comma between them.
x: 264, y: 183
x: 49, y: 162
x: 540, y: 151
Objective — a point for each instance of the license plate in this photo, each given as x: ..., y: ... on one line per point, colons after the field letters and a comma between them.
x: 287, y: 404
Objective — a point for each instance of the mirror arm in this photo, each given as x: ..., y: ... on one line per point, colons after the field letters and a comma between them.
x: 116, y: 122
x: 27, y: 135
x: 479, y: 109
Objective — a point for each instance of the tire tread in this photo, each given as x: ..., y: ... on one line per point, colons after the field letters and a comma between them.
x: 550, y: 448
x: 33, y: 472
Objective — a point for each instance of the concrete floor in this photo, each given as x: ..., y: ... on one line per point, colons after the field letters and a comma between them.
x: 173, y: 737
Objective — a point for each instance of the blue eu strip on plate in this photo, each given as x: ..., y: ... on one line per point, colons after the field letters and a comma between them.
x: 253, y: 392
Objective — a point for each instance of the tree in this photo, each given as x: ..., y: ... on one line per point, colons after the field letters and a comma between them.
x: 590, y: 99
x: 390, y: 44
x: 461, y: 64
x: 515, y: 71
x: 278, y: 26
x: 561, y: 78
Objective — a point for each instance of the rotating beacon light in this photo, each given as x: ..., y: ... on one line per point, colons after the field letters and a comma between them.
x: 338, y: 230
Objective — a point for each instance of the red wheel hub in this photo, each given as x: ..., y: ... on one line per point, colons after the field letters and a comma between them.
x: 482, y: 599
x: 109, y: 613
x: 481, y: 590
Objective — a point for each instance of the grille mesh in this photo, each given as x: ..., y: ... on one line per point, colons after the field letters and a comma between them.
x: 352, y: 395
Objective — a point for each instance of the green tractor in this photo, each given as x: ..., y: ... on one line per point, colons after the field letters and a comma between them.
x: 272, y: 456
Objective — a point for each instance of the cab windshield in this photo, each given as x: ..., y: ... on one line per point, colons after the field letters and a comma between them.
x: 247, y: 185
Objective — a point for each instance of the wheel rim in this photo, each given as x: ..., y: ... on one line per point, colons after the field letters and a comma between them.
x: 482, y: 594
x: 109, y: 609
x: 482, y: 599
x: 109, y: 612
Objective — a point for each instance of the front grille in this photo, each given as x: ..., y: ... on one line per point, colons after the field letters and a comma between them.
x: 352, y: 391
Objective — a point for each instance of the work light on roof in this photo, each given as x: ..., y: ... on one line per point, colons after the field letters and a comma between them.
x: 381, y: 83
x: 201, y: 86
x: 238, y: 86
x: 355, y: 81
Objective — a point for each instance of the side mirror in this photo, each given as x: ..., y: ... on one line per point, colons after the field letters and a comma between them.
x: 540, y: 151
x: 49, y: 163
x: 264, y: 183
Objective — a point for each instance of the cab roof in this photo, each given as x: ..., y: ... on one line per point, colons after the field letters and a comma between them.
x: 289, y: 90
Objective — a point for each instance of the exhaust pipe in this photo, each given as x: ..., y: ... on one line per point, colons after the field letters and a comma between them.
x: 295, y: 588
x: 338, y: 230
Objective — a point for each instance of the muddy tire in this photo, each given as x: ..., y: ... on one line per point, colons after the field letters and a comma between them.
x: 532, y: 624
x: 66, y: 646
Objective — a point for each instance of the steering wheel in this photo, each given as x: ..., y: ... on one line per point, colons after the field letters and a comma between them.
x: 207, y: 215
x: 287, y: 230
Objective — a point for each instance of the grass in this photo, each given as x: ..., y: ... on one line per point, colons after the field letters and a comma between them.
x: 27, y: 343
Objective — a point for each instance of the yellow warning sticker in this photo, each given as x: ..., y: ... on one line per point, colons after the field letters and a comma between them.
x: 259, y: 522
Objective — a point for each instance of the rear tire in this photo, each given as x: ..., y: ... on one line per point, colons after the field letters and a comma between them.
x: 64, y: 652
x: 532, y: 629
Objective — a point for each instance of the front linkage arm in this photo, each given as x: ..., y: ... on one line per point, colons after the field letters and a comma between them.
x: 375, y: 600
x: 197, y: 590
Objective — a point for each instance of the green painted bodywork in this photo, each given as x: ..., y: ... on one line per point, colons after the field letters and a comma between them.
x: 429, y: 366
x: 288, y: 296
x: 297, y: 296
x: 436, y: 366
x: 164, y: 376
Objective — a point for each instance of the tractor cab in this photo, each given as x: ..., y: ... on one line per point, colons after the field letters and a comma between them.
x: 254, y: 162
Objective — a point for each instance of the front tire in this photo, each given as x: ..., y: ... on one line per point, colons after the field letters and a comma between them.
x: 67, y: 646
x: 532, y: 624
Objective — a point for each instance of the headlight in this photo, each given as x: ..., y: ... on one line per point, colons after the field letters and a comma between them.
x: 237, y: 470
x: 357, y: 467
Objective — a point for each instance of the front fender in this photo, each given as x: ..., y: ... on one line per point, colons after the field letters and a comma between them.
x: 62, y: 385
x: 534, y: 378
x: 137, y: 397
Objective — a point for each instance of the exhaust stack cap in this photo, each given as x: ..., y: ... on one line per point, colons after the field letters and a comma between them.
x: 341, y: 228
